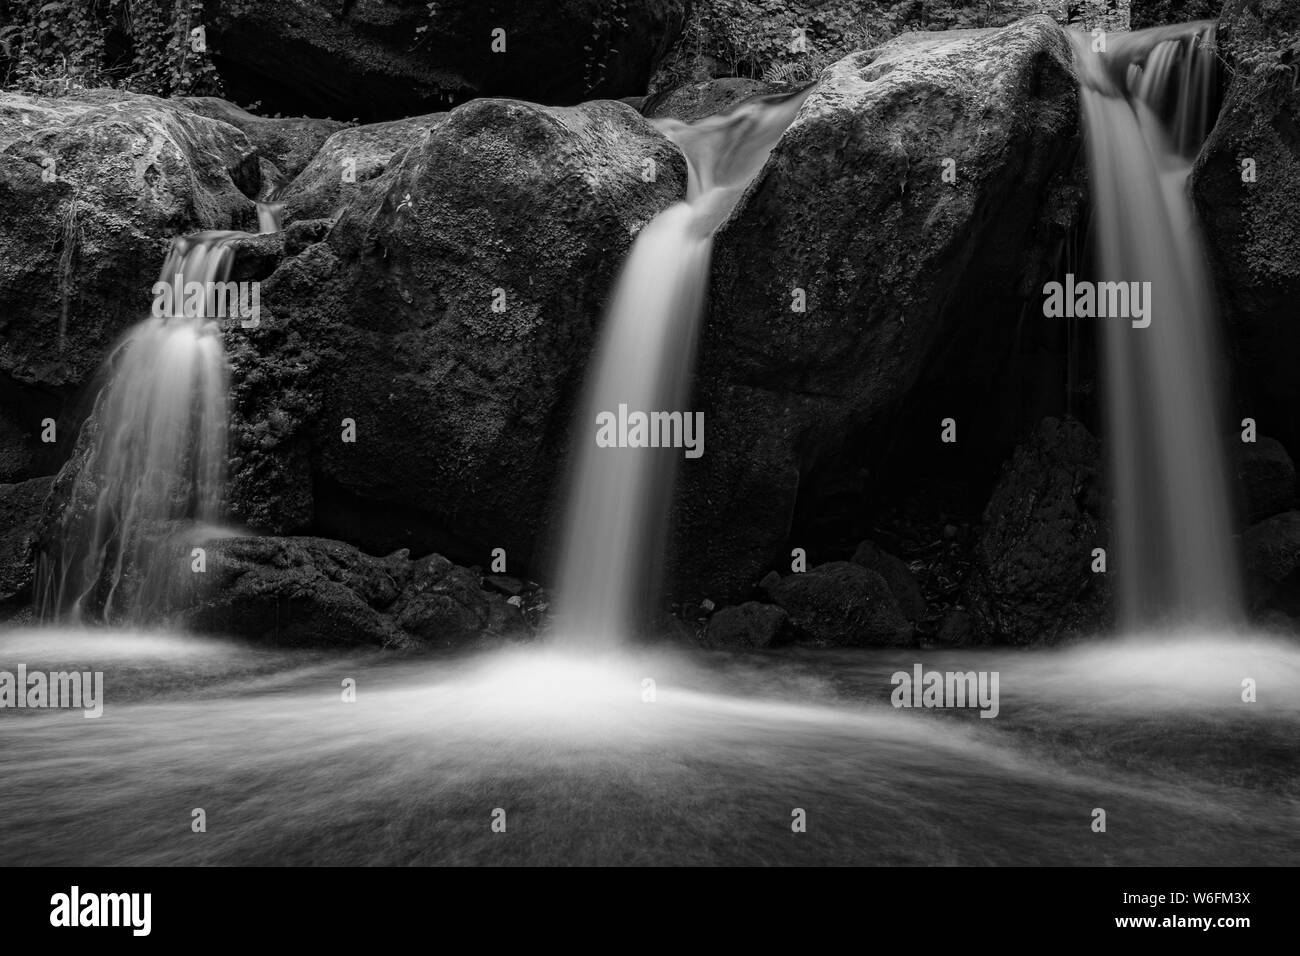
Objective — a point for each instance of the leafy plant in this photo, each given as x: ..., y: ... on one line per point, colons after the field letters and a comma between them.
x: 56, y: 46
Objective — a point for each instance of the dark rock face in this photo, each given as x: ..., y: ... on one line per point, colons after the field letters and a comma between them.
x: 1266, y: 478
x: 841, y: 604
x: 1253, y: 228
x: 904, y: 587
x: 313, y: 591
x: 1032, y: 579
x: 378, y: 60
x: 852, y: 209
x: 1155, y: 13
x: 449, y: 314
x: 20, y: 517
x: 1272, y: 551
x: 752, y: 624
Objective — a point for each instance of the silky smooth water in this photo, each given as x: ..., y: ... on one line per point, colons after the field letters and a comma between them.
x: 617, y: 513
x: 589, y: 771
x: 1147, y: 107
x: 152, y: 453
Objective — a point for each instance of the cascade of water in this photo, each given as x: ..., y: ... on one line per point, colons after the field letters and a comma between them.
x: 619, y: 497
x: 153, y: 452
x: 1148, y: 104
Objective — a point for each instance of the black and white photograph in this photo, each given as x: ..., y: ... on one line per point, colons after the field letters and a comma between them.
x: 651, y: 433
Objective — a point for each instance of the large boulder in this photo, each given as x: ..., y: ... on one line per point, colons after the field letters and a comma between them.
x: 841, y: 604
x: 1032, y: 578
x: 895, y: 266
x: 94, y: 186
x: 752, y: 624
x: 384, y: 59
x: 448, y: 314
x: 1253, y: 227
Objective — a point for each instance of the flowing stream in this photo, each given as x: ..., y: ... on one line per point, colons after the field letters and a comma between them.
x: 1148, y: 105
x: 619, y: 497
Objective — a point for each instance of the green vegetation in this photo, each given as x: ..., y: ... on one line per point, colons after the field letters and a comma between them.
x: 791, y: 41
x: 54, y: 47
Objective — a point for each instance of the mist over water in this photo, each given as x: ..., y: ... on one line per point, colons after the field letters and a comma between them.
x: 617, y: 512
x: 1148, y: 105
x: 588, y: 771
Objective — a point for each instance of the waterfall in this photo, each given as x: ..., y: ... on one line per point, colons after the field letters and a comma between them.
x: 615, y: 528
x: 1148, y: 105
x: 151, y: 459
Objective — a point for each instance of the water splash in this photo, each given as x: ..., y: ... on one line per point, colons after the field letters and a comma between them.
x: 151, y: 455
x: 616, y: 525
x: 1148, y: 104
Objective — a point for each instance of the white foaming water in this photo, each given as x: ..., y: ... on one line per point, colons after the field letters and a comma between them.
x: 706, y: 771
x: 155, y: 455
x: 1147, y: 107
x: 617, y: 513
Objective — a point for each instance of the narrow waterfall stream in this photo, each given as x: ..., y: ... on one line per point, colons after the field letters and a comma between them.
x: 616, y: 526
x: 1148, y: 106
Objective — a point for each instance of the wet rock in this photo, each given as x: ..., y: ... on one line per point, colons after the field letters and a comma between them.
x: 450, y: 314
x: 444, y: 604
x: 288, y: 142
x: 902, y: 584
x: 1272, y: 558
x: 504, y: 584
x: 84, y: 238
x: 1031, y: 580
x: 349, y: 159
x: 957, y: 629
x: 315, y: 591
x: 20, y: 517
x: 841, y: 604
x: 1266, y: 478
x: 1253, y: 228
x: 752, y: 624
x: 895, y: 266
x: 295, y: 591
x: 706, y: 98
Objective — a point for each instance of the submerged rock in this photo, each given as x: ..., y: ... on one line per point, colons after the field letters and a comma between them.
x: 1032, y: 578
